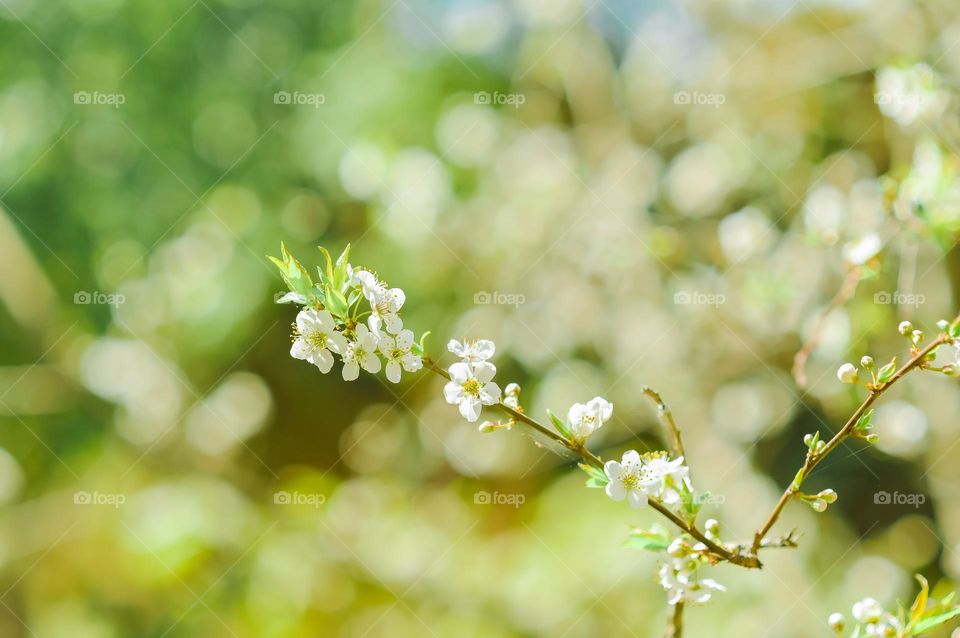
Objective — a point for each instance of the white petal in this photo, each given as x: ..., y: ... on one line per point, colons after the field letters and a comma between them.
x: 453, y: 392
x: 393, y: 372
x: 299, y: 349
x: 485, y: 349
x: 637, y: 499
x: 455, y: 347
x: 470, y: 409
x: 305, y: 320
x: 337, y: 342
x: 405, y: 339
x: 613, y: 470
x: 411, y: 362
x: 351, y: 370
x: 459, y: 372
x: 325, y: 319
x: 490, y: 393
x: 393, y: 322
x: 323, y: 360
x: 399, y: 297
x: 371, y: 363
x: 616, y: 490
x: 484, y: 371
x: 632, y: 457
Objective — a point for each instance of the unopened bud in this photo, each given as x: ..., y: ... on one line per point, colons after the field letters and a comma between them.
x: 837, y: 622
x: 818, y: 505
x: 943, y: 324
x: 488, y: 426
x: 905, y: 328
x: 847, y: 373
x: 867, y: 362
x: 828, y: 495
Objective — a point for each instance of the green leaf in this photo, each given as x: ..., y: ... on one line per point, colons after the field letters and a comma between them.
x: 920, y: 602
x: 864, y: 422
x: 340, y: 269
x: 597, y: 476
x: 887, y: 371
x: 934, y: 621
x: 560, y: 425
x: 654, y: 540
x: 329, y: 271
x: 420, y: 349
x: 335, y: 302
x: 798, y: 479
x: 295, y: 275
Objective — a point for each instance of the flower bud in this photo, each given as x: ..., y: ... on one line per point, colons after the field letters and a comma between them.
x: 828, y: 495
x: 488, y: 426
x: 807, y: 439
x: 916, y: 336
x: 943, y: 324
x: 712, y: 527
x: 905, y: 328
x: 847, y: 373
x: 867, y: 362
x: 871, y: 438
x: 837, y: 622
x: 818, y: 505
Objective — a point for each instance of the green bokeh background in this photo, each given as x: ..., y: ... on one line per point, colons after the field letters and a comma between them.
x: 599, y: 204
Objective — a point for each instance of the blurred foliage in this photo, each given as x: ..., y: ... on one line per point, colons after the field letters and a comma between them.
x: 667, y: 187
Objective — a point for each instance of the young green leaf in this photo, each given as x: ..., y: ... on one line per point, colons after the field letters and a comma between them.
x: 886, y: 372
x: 863, y: 423
x: 934, y: 621
x: 597, y: 477
x: 654, y: 540
x: 560, y: 425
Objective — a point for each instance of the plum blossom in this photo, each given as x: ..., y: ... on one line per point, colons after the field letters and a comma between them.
x: 385, y: 303
x: 628, y: 479
x: 874, y: 619
x: 361, y: 353
x: 472, y: 351
x: 511, y: 396
x: 680, y: 575
x: 396, y: 351
x: 315, y: 338
x: 586, y: 418
x: 667, y: 476
x: 847, y: 373
x: 471, y: 387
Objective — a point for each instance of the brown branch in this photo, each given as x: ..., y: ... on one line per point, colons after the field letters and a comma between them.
x: 666, y: 417
x: 675, y: 628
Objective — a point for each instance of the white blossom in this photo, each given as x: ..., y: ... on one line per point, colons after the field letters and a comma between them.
x: 471, y: 387
x: 667, y: 476
x: 472, y: 351
x: 862, y: 250
x: 316, y: 338
x: 585, y: 418
x: 628, y: 479
x: 385, y: 303
x: 847, y: 373
x: 511, y: 395
x: 680, y: 576
x: 396, y: 351
x: 875, y: 620
x: 907, y: 95
x: 361, y: 353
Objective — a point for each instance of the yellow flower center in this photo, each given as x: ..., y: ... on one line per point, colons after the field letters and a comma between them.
x: 472, y: 387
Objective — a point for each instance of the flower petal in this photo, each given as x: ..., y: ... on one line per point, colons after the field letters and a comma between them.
x: 393, y: 371
x: 453, y: 392
x: 470, y: 409
x: 616, y: 490
x: 637, y: 499
x: 459, y: 372
x: 351, y: 371
x: 484, y: 371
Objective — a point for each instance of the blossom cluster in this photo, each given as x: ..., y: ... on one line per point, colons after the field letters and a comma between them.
x: 330, y: 322
x: 680, y: 574
x: 872, y: 620
x: 637, y: 477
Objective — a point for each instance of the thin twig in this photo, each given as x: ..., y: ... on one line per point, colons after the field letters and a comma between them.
x: 666, y: 417
x: 814, y: 458
x: 675, y: 628
x: 719, y: 553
